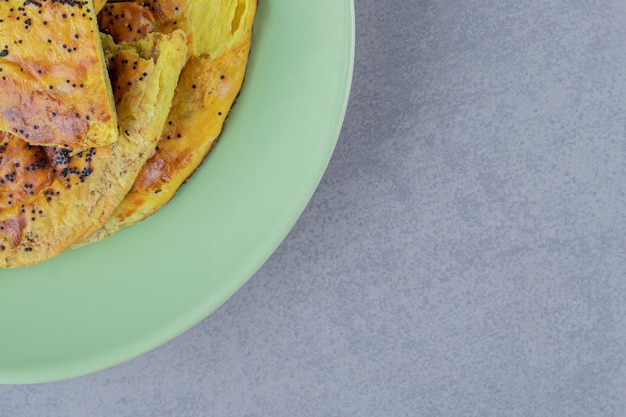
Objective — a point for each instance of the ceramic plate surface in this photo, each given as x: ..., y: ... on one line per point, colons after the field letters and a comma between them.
x: 100, y: 305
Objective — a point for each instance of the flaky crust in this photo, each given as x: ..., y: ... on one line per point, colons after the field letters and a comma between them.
x: 131, y: 21
x: 54, y: 83
x: 50, y: 198
x: 206, y: 90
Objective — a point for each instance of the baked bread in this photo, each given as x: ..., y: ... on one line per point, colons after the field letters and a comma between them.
x: 206, y: 90
x: 49, y: 197
x: 54, y: 83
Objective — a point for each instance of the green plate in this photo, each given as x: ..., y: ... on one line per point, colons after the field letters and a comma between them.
x: 100, y: 305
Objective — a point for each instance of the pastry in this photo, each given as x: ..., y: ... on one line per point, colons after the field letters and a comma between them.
x: 206, y: 90
x: 54, y: 83
x: 51, y: 197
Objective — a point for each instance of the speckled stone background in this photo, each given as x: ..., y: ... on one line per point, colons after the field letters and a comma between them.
x: 464, y: 255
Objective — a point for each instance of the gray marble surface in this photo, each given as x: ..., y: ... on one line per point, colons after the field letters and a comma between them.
x: 464, y: 255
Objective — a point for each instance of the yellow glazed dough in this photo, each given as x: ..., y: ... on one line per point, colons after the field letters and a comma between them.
x: 206, y: 90
x: 50, y: 198
x: 54, y: 83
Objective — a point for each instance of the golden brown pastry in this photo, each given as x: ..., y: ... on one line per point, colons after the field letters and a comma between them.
x: 130, y: 21
x: 50, y: 198
x: 206, y: 90
x: 211, y: 25
x: 54, y: 83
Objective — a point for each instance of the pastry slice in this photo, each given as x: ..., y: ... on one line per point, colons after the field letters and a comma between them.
x: 51, y: 197
x: 53, y: 78
x: 206, y: 90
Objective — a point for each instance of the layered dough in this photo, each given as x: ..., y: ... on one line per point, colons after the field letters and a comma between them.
x: 99, y: 130
x: 51, y: 197
x: 208, y: 86
x: 53, y: 78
